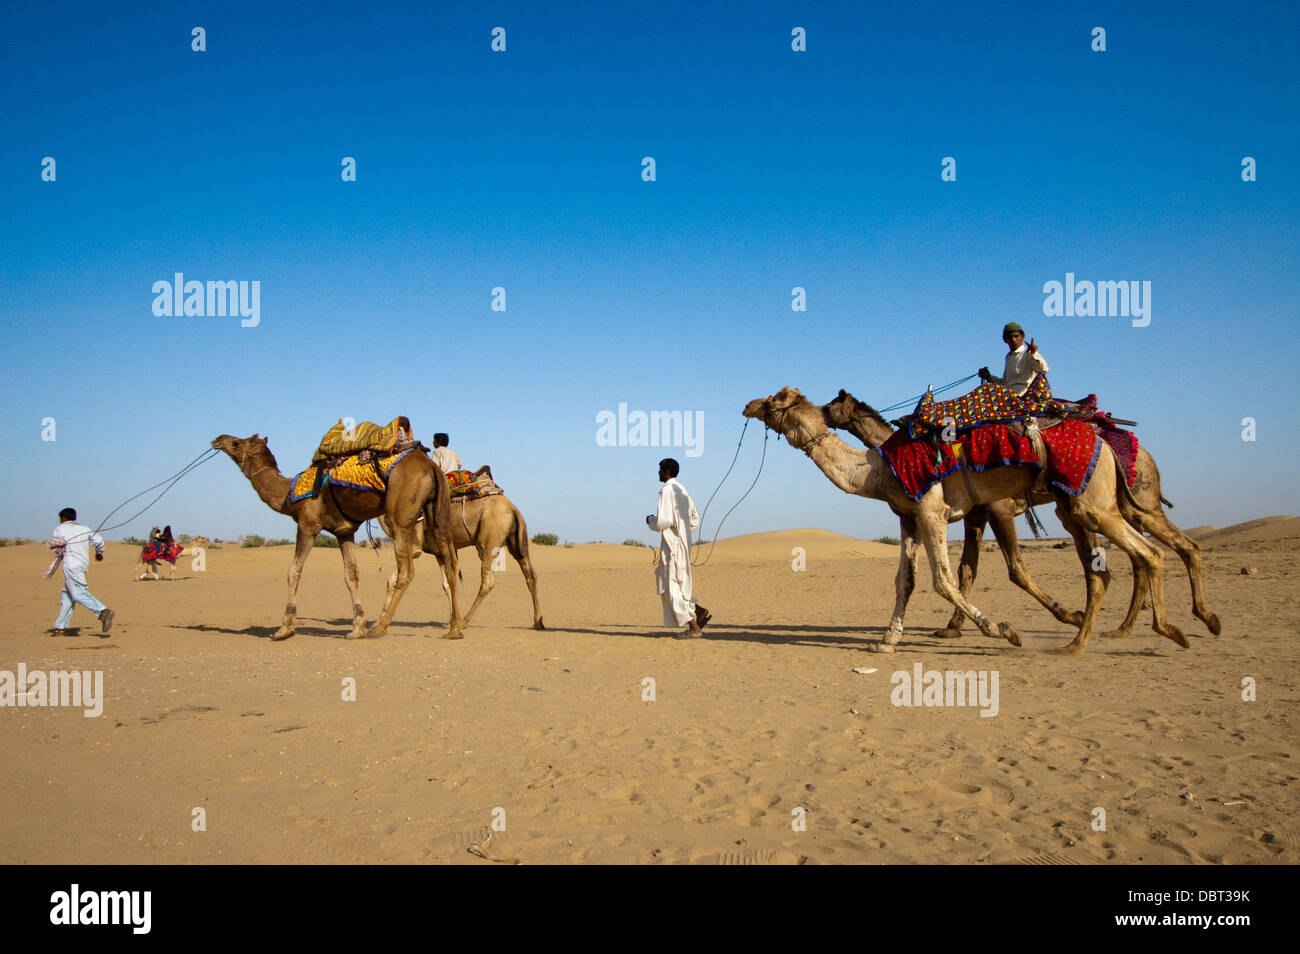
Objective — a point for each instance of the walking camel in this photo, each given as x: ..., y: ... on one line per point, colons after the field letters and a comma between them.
x: 865, y: 473
x: 412, y: 491
x: 1140, y: 505
x: 489, y: 524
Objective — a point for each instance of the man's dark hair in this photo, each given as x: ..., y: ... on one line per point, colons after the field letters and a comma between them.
x: 439, y: 440
x: 672, y: 466
x: 67, y: 513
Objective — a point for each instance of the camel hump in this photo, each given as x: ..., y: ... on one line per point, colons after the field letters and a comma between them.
x: 485, y: 470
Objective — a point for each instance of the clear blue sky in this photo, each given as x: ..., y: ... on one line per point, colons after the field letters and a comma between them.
x: 522, y: 169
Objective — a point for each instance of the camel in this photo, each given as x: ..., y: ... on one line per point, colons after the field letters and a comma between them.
x: 865, y: 473
x: 1140, y: 505
x: 412, y: 490
x: 488, y: 524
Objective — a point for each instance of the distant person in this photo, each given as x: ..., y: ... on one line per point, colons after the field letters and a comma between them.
x: 675, y: 520
x: 71, y: 542
x: 1024, y: 362
x: 446, y: 458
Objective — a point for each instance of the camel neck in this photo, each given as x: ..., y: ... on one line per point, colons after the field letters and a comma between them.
x: 853, y: 471
x: 270, y: 485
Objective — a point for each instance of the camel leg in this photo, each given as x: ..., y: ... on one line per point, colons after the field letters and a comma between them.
x: 347, y: 546
x: 1135, y: 605
x: 403, y: 547
x: 518, y: 549
x: 1003, y: 521
x: 1095, y: 581
x: 1188, y: 550
x: 932, y: 530
x: 306, y: 539
x: 904, y: 583
x: 966, y: 570
x: 451, y: 569
x: 486, y: 581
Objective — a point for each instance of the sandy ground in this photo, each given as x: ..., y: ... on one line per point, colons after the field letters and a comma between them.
x: 761, y: 725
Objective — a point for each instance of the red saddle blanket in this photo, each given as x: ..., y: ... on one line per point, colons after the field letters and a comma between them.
x: 160, y: 550
x: 464, y: 483
x: 919, y: 464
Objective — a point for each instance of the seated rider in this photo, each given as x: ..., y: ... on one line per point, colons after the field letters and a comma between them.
x: 446, y: 458
x: 1024, y: 362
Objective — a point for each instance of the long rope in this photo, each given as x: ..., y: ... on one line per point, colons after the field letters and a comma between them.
x: 911, y: 402
x: 718, y: 532
x: 169, y: 481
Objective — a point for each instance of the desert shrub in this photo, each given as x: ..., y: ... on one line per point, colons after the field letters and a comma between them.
x: 252, y: 540
x: 278, y: 543
x: 634, y: 543
x: 892, y: 541
x: 546, y: 539
x: 327, y: 540
x: 4, y: 542
x: 568, y: 544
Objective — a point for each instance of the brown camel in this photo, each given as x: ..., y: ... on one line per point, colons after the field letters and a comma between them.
x: 489, y: 524
x: 412, y: 490
x: 1140, y: 505
x: 865, y: 473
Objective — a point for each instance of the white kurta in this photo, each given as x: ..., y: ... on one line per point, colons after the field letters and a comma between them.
x: 1021, y: 368
x: 446, y: 459
x: 675, y: 520
x: 76, y: 554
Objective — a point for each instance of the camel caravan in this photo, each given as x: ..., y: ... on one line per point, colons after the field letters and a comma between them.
x: 984, y: 459
x: 368, y: 472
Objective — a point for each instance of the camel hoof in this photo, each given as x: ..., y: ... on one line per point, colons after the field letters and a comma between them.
x: 1177, y: 636
x: 881, y: 647
x: 1212, y: 621
x: 948, y: 632
x: 455, y: 635
x: 1117, y: 634
x: 356, y: 634
x: 1070, y: 649
x: 375, y: 632
x: 281, y: 633
x: 539, y: 625
x: 1008, y: 632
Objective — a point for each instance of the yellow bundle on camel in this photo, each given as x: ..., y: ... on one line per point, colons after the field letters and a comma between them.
x: 339, y: 441
x: 359, y: 458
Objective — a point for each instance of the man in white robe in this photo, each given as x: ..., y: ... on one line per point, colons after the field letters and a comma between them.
x: 446, y: 458
x: 1024, y: 361
x: 675, y: 519
x: 72, y: 542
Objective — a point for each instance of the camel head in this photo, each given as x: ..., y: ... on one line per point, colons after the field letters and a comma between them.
x: 243, y: 450
x: 846, y: 411
x: 790, y: 413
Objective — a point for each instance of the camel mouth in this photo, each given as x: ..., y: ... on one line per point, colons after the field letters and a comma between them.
x: 755, y: 408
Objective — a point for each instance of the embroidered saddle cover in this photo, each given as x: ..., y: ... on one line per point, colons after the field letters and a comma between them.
x: 368, y: 470
x: 471, y: 485
x: 160, y: 550
x: 920, y: 463
x: 988, y: 404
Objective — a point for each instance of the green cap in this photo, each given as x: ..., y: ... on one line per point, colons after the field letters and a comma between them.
x: 1011, y: 326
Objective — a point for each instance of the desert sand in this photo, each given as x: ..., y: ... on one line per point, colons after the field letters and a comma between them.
x: 759, y: 730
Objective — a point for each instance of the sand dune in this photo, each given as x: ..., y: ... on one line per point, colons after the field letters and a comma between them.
x: 760, y: 725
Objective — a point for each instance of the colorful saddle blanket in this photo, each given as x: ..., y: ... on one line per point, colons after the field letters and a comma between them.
x: 364, y: 471
x: 340, y: 441
x: 1072, y: 451
x: 160, y: 550
x: 463, y: 483
x: 988, y: 404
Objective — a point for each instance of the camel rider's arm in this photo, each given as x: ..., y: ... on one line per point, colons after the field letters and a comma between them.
x: 987, y: 375
x: 1039, y: 362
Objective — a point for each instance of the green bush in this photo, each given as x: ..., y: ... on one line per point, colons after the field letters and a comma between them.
x: 892, y: 541
x: 546, y: 539
x: 327, y: 540
x: 634, y: 543
x: 279, y: 543
x: 252, y: 540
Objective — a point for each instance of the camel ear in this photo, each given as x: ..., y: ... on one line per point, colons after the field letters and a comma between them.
x: 843, y: 393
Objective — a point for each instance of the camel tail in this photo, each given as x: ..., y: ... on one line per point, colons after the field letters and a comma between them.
x: 518, y: 542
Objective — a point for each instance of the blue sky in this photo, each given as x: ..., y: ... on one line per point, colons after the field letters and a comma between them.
x: 522, y: 170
